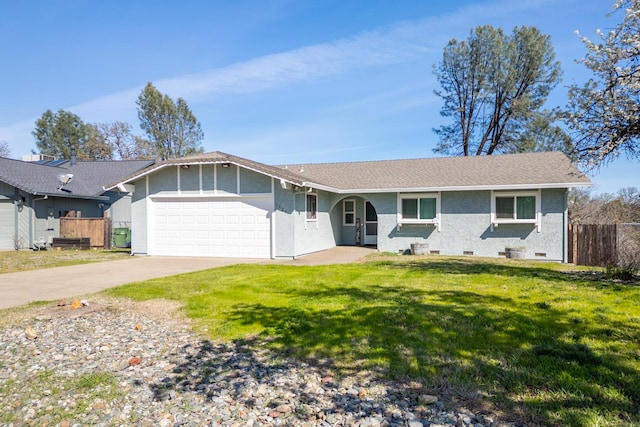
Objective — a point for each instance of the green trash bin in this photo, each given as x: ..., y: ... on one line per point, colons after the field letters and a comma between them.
x: 121, y: 237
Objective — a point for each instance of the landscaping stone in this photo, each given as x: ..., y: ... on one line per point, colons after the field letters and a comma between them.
x: 178, y: 378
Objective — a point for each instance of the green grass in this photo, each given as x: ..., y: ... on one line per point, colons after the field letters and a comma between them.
x: 14, y: 261
x: 86, y: 389
x: 529, y: 339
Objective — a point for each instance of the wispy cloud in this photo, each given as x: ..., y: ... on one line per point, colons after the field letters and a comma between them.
x: 398, y: 43
x: 394, y: 44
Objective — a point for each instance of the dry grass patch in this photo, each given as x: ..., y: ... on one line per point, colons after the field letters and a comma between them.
x: 14, y: 261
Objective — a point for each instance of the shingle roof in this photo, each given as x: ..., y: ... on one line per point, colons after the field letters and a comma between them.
x: 550, y: 169
x: 510, y: 171
x: 88, y: 177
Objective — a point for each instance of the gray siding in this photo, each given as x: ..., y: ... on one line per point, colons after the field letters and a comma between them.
x: 252, y: 182
x: 24, y: 216
x: 7, y: 217
x: 227, y: 178
x: 312, y: 236
x: 466, y: 227
x: 190, y: 179
x: 120, y: 209
x: 163, y: 181
x: 284, y: 223
x: 139, y: 222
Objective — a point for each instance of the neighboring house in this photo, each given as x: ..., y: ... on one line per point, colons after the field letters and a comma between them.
x: 221, y: 205
x: 33, y: 196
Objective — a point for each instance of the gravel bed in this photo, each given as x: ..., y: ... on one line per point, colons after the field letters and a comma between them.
x: 115, y: 362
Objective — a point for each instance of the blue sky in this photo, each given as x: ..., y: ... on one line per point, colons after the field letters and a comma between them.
x: 280, y: 81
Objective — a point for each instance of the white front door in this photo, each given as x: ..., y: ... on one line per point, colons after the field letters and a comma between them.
x: 370, y: 224
x: 217, y: 227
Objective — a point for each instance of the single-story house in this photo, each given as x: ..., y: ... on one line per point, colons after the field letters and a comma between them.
x: 220, y: 205
x: 34, y: 195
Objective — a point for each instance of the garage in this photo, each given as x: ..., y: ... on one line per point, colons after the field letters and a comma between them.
x: 212, y: 227
x: 7, y: 224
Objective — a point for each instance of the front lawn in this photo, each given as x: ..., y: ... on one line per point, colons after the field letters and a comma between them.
x: 533, y: 340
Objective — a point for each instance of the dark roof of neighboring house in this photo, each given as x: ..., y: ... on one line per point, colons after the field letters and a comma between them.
x: 507, y: 171
x: 88, y: 179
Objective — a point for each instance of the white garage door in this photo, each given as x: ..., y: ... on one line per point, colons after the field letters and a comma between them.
x: 239, y: 227
x: 7, y: 224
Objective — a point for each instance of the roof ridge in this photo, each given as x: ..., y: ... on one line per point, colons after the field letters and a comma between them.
x: 536, y: 153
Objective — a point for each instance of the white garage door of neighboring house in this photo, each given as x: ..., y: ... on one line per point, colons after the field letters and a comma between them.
x: 7, y: 225
x: 238, y: 227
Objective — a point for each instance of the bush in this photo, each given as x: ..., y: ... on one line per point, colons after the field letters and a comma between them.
x: 625, y: 272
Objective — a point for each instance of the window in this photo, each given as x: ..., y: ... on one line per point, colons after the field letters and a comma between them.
x: 312, y: 207
x: 419, y: 208
x: 516, y: 208
x: 349, y: 212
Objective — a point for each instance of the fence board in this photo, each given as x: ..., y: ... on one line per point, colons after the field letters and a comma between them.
x: 98, y: 230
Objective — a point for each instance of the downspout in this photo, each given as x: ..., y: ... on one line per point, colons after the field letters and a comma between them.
x: 565, y: 228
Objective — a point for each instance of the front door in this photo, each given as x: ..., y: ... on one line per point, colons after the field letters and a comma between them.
x: 370, y: 225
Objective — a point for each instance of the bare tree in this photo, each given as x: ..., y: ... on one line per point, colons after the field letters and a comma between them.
x: 604, y: 114
x: 4, y: 149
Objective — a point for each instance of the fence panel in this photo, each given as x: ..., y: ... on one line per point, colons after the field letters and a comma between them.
x: 593, y: 244
x: 98, y: 230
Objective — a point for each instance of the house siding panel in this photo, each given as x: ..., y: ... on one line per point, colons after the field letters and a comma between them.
x: 24, y: 224
x: 164, y: 181
x: 227, y: 179
x: 284, y: 223
x: 120, y: 209
x: 466, y: 226
x: 253, y: 183
x: 208, y: 178
x: 190, y: 180
x: 312, y: 236
x: 139, y: 226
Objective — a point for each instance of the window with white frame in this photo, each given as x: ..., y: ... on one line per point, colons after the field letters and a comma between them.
x: 422, y: 208
x: 520, y: 207
x: 312, y: 207
x: 349, y: 212
x: 516, y: 207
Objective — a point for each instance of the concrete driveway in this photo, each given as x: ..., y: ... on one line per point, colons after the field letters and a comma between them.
x: 66, y: 282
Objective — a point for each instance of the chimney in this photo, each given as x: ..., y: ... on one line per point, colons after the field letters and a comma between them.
x: 73, y: 156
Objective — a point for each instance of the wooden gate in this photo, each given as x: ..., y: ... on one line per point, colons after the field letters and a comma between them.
x: 98, y: 230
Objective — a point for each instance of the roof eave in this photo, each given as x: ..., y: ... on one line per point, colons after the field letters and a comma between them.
x: 71, y: 196
x: 213, y: 162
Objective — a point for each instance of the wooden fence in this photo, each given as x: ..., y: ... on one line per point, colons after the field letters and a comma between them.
x: 98, y: 230
x: 593, y: 244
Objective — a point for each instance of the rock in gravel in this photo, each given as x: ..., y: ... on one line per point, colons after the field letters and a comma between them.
x: 30, y: 333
